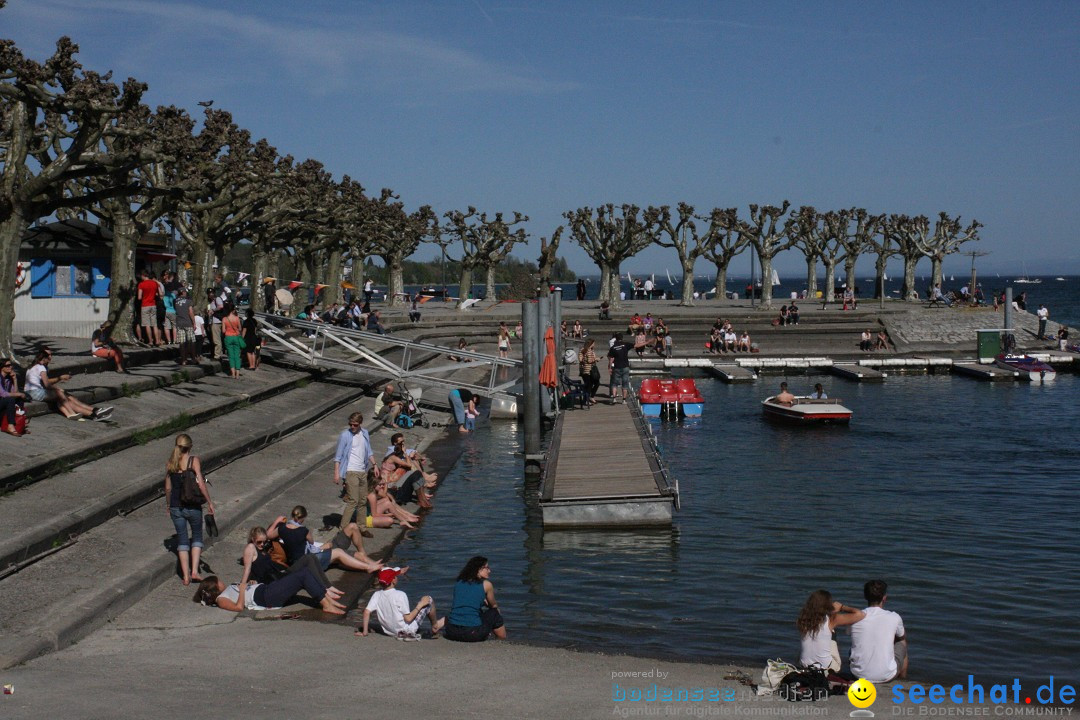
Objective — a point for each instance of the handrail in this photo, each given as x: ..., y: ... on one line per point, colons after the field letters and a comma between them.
x: 360, y: 354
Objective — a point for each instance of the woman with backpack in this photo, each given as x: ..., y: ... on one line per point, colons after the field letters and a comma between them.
x: 185, y: 493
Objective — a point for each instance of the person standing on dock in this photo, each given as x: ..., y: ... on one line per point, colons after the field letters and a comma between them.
x: 1043, y: 314
x: 619, y: 367
x: 353, y: 459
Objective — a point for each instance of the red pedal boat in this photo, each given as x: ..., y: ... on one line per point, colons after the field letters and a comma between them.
x: 670, y: 398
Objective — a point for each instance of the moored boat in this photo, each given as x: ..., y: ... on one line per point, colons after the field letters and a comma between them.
x: 670, y: 398
x: 807, y: 410
x: 1035, y: 369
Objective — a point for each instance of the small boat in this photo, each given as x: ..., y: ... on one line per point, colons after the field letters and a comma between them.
x: 807, y: 410
x: 433, y: 292
x: 1036, y: 370
x: 1060, y: 279
x: 670, y: 398
x: 1027, y: 281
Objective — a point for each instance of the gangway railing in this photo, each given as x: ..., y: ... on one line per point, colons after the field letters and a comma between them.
x: 330, y: 346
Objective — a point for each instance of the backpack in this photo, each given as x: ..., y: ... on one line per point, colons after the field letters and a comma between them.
x: 190, y: 494
x: 809, y: 684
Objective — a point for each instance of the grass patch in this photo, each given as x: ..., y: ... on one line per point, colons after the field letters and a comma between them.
x: 180, y: 422
x: 303, y: 382
x: 129, y: 392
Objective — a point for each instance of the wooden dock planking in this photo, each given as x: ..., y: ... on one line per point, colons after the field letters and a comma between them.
x: 603, y: 470
x: 601, y: 455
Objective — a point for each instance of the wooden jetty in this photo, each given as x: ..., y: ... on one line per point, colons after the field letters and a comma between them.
x: 854, y: 371
x: 732, y: 373
x: 603, y: 469
x: 984, y: 372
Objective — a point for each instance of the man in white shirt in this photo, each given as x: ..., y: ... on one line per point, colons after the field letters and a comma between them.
x: 352, y: 460
x: 391, y: 607
x: 878, y: 641
x: 648, y: 288
x: 1043, y: 314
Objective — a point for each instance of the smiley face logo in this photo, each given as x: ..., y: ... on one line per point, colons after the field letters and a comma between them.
x: 862, y: 693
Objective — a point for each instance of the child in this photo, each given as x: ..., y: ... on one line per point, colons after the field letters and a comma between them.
x: 391, y: 607
x: 200, y: 330
x: 471, y: 414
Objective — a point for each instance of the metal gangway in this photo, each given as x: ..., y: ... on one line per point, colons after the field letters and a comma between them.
x: 322, y: 345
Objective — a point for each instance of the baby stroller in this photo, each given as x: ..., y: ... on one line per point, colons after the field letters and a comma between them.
x: 411, y: 415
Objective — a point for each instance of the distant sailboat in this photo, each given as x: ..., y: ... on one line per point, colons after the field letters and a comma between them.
x: 669, y: 280
x: 1024, y: 279
x: 885, y: 276
x: 952, y: 279
x: 775, y: 277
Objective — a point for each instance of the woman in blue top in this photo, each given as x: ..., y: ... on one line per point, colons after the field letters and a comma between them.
x: 475, y: 614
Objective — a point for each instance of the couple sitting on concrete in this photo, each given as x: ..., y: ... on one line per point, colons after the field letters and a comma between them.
x: 878, y: 640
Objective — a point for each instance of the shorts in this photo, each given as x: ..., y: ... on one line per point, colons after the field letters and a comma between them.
x: 185, y: 335
x: 148, y: 316
x: 341, y: 541
x: 36, y: 393
x: 170, y: 320
x: 620, y: 377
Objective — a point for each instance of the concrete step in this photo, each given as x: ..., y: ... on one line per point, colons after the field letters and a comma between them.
x: 97, y: 387
x: 67, y: 595
x: 52, y: 509
x: 56, y: 444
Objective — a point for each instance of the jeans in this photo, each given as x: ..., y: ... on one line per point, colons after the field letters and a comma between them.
x: 490, y: 619
x: 182, y: 517
x: 277, y: 593
x: 459, y: 407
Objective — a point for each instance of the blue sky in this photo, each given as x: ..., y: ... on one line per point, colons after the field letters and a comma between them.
x: 541, y: 107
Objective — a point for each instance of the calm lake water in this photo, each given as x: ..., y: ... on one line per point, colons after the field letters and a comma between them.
x: 960, y: 494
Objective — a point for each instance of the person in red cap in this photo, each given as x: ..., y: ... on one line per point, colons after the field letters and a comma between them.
x: 391, y: 607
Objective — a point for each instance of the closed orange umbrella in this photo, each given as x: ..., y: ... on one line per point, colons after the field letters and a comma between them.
x: 549, y: 375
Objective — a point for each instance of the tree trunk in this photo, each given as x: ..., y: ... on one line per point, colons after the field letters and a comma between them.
x: 489, y: 288
x: 910, y: 261
x: 332, y: 292
x: 687, y: 282
x: 395, y: 279
x: 11, y: 232
x: 260, y: 270
x: 879, y: 276
x: 721, y: 280
x: 766, y: 281
x: 811, y: 276
x: 613, y: 288
x: 830, y: 281
x: 201, y: 273
x: 122, y: 276
x: 936, y: 274
x: 849, y: 271
x: 464, y: 284
x: 605, y: 284
x: 356, y: 276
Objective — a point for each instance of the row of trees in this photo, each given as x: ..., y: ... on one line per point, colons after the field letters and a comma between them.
x: 75, y: 143
x: 610, y: 235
